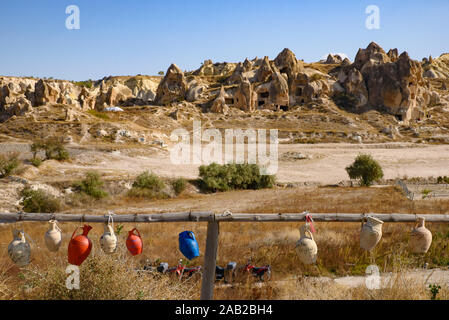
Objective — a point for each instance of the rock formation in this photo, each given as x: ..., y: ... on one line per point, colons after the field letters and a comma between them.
x: 173, y: 87
x: 393, y: 84
x: 245, y: 97
x: 333, y: 59
x: 265, y: 71
x: 219, y: 104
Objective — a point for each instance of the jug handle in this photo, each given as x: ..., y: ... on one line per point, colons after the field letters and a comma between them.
x: 138, y: 233
x: 74, y: 232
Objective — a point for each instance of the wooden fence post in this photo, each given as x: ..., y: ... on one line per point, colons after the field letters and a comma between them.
x: 210, y: 261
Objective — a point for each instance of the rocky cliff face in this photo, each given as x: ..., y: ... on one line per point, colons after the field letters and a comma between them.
x: 391, y: 83
x: 20, y: 95
x: 388, y: 82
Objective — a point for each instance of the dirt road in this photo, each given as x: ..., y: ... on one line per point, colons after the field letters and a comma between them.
x: 325, y: 163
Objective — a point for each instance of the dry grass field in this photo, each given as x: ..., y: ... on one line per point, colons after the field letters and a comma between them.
x: 115, y: 276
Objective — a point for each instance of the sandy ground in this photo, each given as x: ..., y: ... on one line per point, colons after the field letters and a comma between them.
x: 326, y: 164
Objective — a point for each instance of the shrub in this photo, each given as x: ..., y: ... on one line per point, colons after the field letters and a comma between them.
x: 179, y: 185
x: 86, y: 84
x: 92, y: 185
x: 8, y: 163
x: 215, y: 177
x: 149, y: 181
x: 148, y: 185
x: 53, y: 148
x: 425, y: 193
x: 345, y: 101
x: 36, y: 162
x: 99, y: 114
x: 366, y: 169
x: 38, y: 201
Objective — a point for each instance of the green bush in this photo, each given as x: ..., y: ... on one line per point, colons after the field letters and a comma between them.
x: 8, y: 163
x: 36, y: 162
x: 149, y: 181
x: 38, y: 201
x: 215, y: 177
x: 179, y: 185
x: 148, y: 185
x: 53, y: 148
x: 92, y: 185
x: 365, y: 169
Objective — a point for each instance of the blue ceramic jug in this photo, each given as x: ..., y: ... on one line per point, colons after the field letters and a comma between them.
x: 188, y: 245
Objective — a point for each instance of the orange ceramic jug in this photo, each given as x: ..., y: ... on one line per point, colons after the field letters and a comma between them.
x: 80, y: 246
x: 134, y: 242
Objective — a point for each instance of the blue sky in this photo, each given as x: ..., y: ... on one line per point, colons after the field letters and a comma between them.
x: 131, y: 37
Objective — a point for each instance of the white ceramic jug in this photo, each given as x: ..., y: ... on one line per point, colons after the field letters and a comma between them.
x: 108, y: 240
x: 53, y: 237
x: 371, y: 233
x: 19, y: 250
x: 420, y: 238
x: 306, y: 247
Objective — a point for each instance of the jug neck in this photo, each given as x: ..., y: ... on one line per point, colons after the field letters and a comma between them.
x: 86, y: 230
x: 421, y: 223
x: 108, y: 228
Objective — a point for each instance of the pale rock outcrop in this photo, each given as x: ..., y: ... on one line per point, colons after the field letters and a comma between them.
x: 173, y: 87
x: 219, y: 105
x: 245, y: 97
x: 196, y: 90
x: 375, y: 80
x: 265, y: 71
x: 215, y: 69
x: 279, y: 92
x: 287, y: 63
x: 143, y: 89
x: 333, y: 59
x: 354, y: 84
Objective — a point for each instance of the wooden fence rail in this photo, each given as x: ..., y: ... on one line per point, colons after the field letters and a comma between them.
x: 226, y: 217
x: 213, y: 220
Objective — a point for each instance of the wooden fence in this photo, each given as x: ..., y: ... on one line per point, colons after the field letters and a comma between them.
x: 213, y: 228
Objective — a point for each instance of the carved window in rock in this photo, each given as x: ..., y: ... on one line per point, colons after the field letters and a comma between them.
x: 229, y: 101
x: 265, y: 95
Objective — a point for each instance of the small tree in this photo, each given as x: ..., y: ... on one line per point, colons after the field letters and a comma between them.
x: 161, y: 73
x: 366, y: 169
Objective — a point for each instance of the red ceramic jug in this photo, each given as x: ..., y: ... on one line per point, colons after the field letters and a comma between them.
x: 134, y: 242
x: 80, y: 246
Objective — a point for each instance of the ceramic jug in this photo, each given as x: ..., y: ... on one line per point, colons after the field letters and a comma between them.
x: 53, y: 237
x: 306, y: 247
x: 134, y: 242
x: 108, y: 241
x: 420, y: 238
x: 371, y: 233
x: 19, y: 250
x: 79, y: 247
x: 188, y: 245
